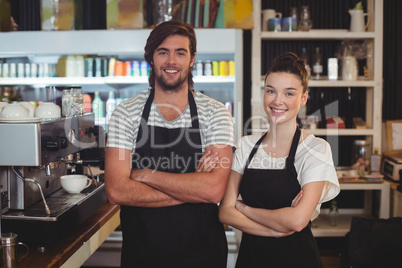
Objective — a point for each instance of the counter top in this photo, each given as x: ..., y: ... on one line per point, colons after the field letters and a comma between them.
x: 80, y: 244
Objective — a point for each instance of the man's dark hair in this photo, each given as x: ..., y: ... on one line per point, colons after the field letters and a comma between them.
x: 159, y: 34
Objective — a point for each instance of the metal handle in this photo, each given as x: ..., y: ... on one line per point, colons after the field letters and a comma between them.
x: 26, y: 254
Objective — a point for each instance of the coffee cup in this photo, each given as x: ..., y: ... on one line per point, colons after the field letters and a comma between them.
x: 75, y: 183
x: 48, y: 111
x: 14, y: 110
x: 269, y: 14
x: 274, y: 25
x: 29, y: 106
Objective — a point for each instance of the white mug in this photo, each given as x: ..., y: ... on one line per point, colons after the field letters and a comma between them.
x: 269, y: 14
x: 75, y: 183
x: 357, y: 20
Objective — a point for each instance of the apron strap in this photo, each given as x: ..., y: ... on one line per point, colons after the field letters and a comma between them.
x: 193, y: 111
x: 148, y: 104
x: 293, y: 148
x: 291, y: 157
x: 252, y: 153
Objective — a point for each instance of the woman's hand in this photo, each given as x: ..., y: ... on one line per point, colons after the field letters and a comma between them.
x: 240, y: 206
x: 207, y: 162
x: 297, y: 199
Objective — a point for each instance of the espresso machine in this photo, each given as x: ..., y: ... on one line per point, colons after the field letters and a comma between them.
x: 34, y: 155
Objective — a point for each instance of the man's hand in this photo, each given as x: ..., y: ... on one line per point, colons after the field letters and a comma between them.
x: 140, y: 175
x: 207, y: 162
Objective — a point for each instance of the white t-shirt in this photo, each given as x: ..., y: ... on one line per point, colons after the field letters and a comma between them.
x: 215, y: 121
x: 313, y: 162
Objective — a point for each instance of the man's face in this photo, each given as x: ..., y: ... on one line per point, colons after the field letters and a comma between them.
x: 172, y: 63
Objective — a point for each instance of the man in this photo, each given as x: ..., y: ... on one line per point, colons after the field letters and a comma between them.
x: 168, y: 197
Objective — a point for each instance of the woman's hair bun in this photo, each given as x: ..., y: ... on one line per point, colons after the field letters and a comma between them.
x: 288, y: 56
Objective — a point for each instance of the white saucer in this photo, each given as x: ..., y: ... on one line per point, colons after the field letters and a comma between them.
x: 20, y: 120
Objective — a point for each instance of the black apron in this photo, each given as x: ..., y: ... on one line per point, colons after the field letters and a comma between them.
x: 186, y: 235
x: 273, y: 189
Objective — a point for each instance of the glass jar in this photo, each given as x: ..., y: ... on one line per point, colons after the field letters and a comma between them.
x: 305, y: 22
x: 78, y: 101
x: 361, y: 153
x: 66, y: 102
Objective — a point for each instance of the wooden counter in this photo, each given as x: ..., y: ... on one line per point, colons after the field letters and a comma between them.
x: 80, y: 244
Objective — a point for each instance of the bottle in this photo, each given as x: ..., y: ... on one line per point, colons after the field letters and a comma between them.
x: 87, y: 103
x: 333, y: 213
x: 112, y: 62
x: 375, y: 161
x: 317, y: 64
x: 97, y: 105
x: 79, y: 66
x: 110, y: 104
x: 332, y: 69
x: 304, y: 56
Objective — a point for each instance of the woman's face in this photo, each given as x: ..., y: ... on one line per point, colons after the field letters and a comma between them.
x: 283, y: 97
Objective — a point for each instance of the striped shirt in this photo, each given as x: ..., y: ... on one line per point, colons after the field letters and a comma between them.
x: 216, y: 123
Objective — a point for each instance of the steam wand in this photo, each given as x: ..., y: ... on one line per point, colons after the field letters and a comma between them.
x: 40, y: 189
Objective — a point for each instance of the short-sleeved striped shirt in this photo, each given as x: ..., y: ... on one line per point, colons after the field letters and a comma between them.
x: 216, y: 123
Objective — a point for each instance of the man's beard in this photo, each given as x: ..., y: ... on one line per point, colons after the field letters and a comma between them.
x: 171, y: 87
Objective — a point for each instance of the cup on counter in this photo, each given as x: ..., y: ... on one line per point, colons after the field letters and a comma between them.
x: 75, y: 183
x: 274, y: 25
x: 48, y: 111
x: 29, y: 106
x: 15, y: 110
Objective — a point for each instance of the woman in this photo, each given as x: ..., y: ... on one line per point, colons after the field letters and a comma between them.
x: 271, y: 170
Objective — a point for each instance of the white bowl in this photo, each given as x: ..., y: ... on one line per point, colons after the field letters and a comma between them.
x: 3, y: 104
x: 15, y: 110
x: 75, y: 183
x: 48, y: 110
x: 31, y: 108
